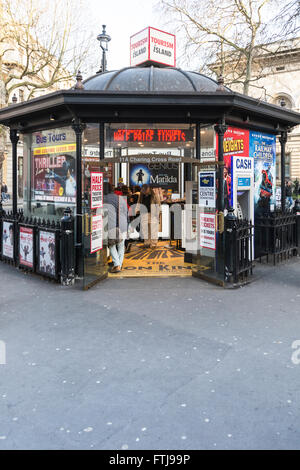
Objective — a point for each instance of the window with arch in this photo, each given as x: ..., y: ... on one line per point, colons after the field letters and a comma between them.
x: 283, y: 97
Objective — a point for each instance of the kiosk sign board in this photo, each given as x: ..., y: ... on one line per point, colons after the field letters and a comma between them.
x: 96, y: 233
x: 207, y: 189
x: 96, y: 190
x: 153, y: 45
x: 207, y: 235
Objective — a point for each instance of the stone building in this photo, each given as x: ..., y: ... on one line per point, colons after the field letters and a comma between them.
x: 276, y: 79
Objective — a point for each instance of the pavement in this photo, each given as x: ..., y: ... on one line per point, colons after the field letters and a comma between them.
x: 172, y: 363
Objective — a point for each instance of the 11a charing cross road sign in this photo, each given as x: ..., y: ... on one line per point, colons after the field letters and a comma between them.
x: 152, y: 45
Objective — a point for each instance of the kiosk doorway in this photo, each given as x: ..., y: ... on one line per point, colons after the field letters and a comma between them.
x: 164, y: 260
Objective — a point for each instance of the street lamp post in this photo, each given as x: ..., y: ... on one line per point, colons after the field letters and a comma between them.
x: 104, y: 39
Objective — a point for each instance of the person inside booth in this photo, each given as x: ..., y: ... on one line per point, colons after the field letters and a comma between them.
x: 150, y: 201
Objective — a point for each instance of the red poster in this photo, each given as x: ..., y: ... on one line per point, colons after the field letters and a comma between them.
x: 236, y: 142
x: 26, y: 246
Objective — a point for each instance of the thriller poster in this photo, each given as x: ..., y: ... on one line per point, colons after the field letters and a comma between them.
x: 53, y: 166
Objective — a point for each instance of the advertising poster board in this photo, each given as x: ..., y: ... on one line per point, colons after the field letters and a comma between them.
x: 8, y: 239
x: 207, y: 235
x: 26, y: 247
x: 53, y: 166
x: 47, y: 253
x: 97, y: 233
x: 263, y: 151
x: 160, y: 174
x: 236, y: 143
x: 96, y: 190
x: 207, y: 189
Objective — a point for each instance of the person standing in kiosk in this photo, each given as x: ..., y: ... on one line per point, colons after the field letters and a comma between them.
x: 117, y: 212
x: 149, y: 208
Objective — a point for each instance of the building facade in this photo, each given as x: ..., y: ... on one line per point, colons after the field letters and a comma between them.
x: 275, y: 79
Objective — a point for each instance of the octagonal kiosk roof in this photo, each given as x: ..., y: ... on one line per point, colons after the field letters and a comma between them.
x: 148, y: 94
x: 152, y: 79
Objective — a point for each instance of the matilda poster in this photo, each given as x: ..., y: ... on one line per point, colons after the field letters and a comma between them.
x: 160, y: 174
x: 47, y: 263
x: 8, y: 239
x: 53, y: 166
x: 26, y: 246
x: 263, y: 149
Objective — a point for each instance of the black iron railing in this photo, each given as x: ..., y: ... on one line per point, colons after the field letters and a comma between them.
x: 39, y: 245
x: 238, y: 249
x: 276, y: 236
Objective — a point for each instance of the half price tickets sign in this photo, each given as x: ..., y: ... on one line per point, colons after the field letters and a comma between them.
x: 96, y: 190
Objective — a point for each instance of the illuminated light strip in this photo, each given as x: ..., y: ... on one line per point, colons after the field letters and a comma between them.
x: 55, y: 149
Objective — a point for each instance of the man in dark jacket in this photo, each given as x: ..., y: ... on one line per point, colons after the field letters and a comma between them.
x: 117, y: 224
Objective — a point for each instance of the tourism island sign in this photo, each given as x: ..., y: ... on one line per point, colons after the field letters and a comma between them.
x: 153, y: 45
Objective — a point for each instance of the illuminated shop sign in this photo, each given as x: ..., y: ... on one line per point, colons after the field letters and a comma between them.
x: 150, y: 135
x: 153, y: 45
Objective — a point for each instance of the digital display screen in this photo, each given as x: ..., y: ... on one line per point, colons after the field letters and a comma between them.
x: 150, y: 135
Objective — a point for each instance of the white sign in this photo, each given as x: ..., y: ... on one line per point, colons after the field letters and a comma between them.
x: 90, y: 151
x: 208, y: 154
x: 8, y: 239
x: 96, y: 190
x: 148, y: 151
x: 139, y: 47
x: 26, y: 246
x: 207, y: 189
x: 153, y: 45
x: 47, y: 254
x: 97, y: 233
x: 207, y: 231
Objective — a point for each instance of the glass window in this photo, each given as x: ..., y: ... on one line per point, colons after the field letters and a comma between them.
x: 144, y: 147
x: 49, y: 172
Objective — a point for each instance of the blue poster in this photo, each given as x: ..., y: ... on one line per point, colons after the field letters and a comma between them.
x: 262, y: 147
x: 139, y: 175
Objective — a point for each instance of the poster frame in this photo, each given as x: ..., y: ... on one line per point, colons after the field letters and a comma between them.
x: 57, y: 251
x: 25, y: 266
x: 8, y: 258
